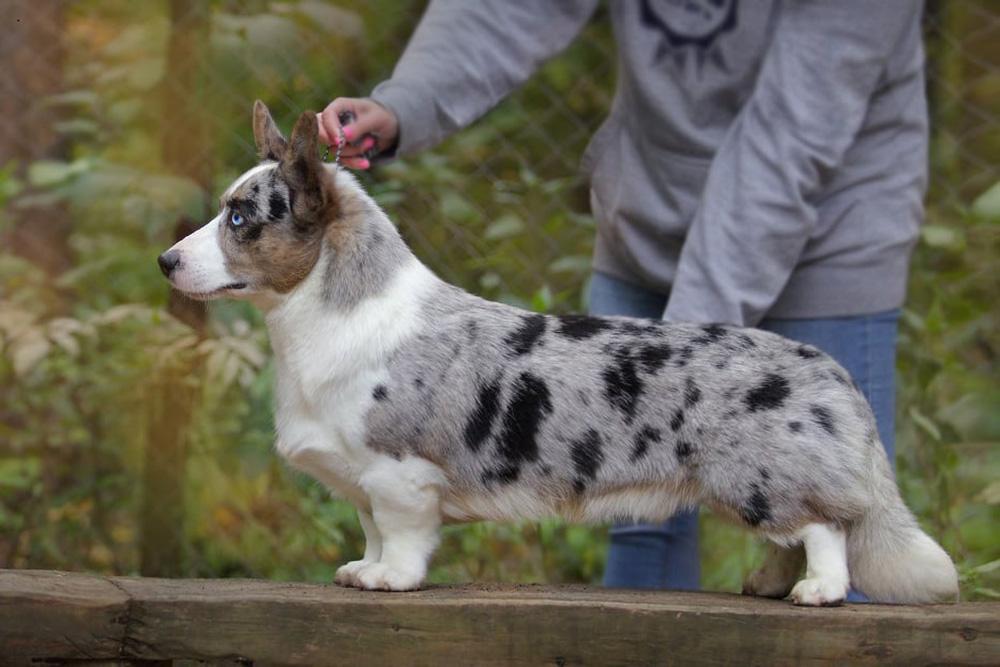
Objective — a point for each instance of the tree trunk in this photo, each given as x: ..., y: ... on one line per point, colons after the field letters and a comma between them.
x: 31, y: 61
x: 186, y: 152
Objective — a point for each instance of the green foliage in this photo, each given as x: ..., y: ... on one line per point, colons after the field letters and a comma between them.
x: 949, y: 425
x: 498, y: 209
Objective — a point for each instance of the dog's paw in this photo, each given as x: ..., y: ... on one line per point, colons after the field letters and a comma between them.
x: 347, y: 574
x: 767, y: 584
x: 818, y: 592
x: 382, y: 577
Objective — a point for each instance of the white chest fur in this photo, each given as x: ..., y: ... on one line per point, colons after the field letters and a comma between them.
x: 328, y: 362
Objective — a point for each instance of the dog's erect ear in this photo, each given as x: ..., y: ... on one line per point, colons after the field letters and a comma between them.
x: 270, y: 144
x: 303, y: 170
x: 304, y: 143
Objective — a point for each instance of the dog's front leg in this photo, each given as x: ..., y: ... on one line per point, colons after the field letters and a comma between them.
x: 347, y: 574
x: 406, y: 512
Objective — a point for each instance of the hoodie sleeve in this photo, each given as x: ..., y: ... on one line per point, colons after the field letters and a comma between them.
x: 467, y: 55
x: 757, y: 210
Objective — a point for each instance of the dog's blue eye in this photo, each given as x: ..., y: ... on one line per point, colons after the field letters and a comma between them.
x: 236, y: 219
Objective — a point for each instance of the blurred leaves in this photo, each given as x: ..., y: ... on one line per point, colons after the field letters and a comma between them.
x: 949, y: 426
x: 987, y: 205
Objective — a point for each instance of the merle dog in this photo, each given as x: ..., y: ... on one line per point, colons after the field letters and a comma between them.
x: 420, y: 403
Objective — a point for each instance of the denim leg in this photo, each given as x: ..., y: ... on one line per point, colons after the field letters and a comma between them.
x: 866, y: 346
x: 663, y: 555
x: 655, y: 555
x: 610, y: 296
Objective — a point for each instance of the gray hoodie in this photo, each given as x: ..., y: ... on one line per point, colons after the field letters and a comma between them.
x: 761, y: 158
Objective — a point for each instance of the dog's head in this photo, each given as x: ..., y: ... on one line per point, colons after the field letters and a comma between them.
x: 269, y: 231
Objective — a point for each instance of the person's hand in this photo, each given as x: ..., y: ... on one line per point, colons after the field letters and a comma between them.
x: 372, y: 130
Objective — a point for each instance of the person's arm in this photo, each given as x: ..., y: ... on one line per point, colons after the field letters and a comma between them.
x: 464, y: 57
x: 756, y: 212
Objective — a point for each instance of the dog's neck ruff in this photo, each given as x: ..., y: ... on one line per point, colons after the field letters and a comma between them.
x: 317, y: 343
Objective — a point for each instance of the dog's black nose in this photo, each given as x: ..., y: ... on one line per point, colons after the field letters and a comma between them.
x: 168, y: 261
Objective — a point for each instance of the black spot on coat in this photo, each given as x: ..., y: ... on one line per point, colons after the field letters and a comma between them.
x: 480, y: 420
x: 653, y: 356
x: 683, y: 450
x: 587, y: 458
x: 248, y: 207
x: 525, y: 337
x: 504, y: 474
x: 757, y: 509
x: 650, y: 327
x: 713, y: 333
x: 529, y: 405
x: 824, y: 418
x: 677, y: 421
x: 795, y: 426
x: 580, y: 327
x: 380, y: 393
x: 277, y: 207
x: 769, y: 394
x: 692, y: 394
x: 640, y: 444
x: 622, y: 385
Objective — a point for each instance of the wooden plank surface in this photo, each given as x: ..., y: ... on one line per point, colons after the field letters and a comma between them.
x: 57, y: 616
x: 45, y: 613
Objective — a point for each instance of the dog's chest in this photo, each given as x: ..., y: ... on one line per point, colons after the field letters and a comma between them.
x: 326, y: 376
x: 331, y: 412
x: 319, y: 418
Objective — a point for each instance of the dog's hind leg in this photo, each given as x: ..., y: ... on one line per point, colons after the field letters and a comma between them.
x: 406, y: 512
x: 347, y: 573
x: 826, y: 579
x: 776, y: 577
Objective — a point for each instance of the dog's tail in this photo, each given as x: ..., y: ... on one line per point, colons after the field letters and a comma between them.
x: 890, y: 558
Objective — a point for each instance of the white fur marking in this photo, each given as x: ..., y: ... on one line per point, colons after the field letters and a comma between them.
x: 826, y: 579
x: 322, y: 346
x: 247, y: 175
x: 347, y: 574
x: 407, y: 513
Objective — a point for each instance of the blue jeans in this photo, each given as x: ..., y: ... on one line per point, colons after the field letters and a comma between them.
x: 666, y: 555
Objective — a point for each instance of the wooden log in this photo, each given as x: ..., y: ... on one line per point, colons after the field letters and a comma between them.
x: 57, y: 617
x: 59, y: 614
